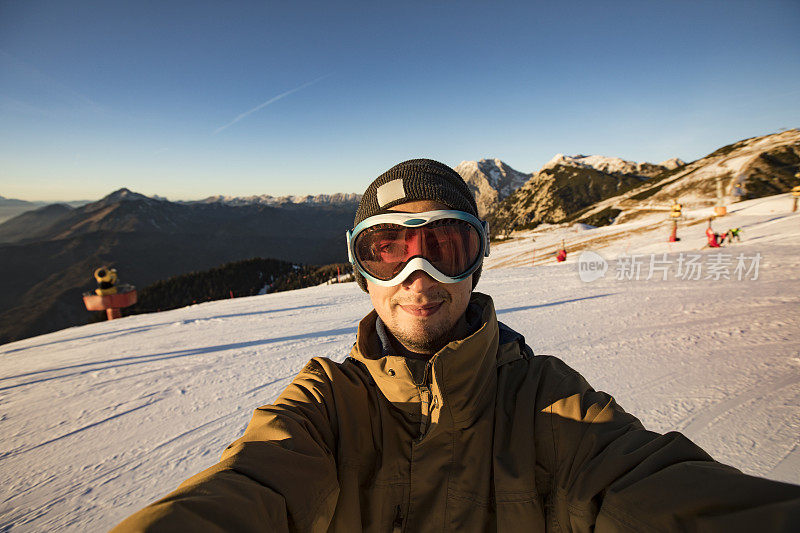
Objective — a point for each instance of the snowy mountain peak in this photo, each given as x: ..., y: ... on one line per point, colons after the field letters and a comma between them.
x: 609, y: 165
x: 612, y: 165
x: 124, y: 195
x: 490, y: 180
x: 673, y: 163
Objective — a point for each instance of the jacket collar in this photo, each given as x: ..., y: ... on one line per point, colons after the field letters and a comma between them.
x: 463, y: 376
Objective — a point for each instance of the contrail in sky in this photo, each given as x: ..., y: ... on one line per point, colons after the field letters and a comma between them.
x: 268, y: 102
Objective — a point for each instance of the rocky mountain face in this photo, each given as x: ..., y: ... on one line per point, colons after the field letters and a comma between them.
x: 750, y: 168
x: 567, y: 184
x: 49, y: 254
x: 490, y: 181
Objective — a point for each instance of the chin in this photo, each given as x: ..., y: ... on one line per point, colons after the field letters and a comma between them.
x: 426, y: 337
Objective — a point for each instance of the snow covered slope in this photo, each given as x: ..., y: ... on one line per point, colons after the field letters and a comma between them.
x: 648, y: 233
x: 96, y: 421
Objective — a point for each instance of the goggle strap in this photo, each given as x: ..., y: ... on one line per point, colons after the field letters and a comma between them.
x: 350, y: 257
x: 485, y: 236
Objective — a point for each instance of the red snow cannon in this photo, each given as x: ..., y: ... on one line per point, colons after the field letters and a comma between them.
x: 108, y: 296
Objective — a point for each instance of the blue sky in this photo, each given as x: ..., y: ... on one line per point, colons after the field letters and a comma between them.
x: 190, y: 99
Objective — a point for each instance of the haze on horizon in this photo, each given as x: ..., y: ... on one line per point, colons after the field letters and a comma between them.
x: 185, y: 100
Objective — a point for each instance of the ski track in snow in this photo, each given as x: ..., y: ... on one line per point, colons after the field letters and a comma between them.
x: 99, y: 420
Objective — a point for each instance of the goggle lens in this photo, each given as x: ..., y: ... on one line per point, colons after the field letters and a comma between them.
x: 452, y: 246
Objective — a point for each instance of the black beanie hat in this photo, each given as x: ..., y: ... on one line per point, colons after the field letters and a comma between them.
x: 412, y: 180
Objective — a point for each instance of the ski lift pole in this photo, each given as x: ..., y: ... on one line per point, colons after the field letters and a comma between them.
x: 675, y: 214
x: 720, y: 210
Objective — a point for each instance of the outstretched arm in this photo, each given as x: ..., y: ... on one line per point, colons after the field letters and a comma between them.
x: 613, y: 475
x: 279, y: 476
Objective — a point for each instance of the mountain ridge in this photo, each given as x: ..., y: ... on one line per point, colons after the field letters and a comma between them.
x: 569, y: 188
x: 761, y: 166
x: 146, y: 239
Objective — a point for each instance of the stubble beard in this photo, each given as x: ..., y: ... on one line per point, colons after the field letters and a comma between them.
x: 423, y: 337
x: 428, y: 340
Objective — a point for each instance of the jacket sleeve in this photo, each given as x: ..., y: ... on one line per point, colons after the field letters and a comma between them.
x: 611, y: 474
x: 279, y: 476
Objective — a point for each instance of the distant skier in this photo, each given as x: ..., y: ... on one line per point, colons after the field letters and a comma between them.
x: 561, y: 254
x: 714, y: 239
x: 443, y: 419
x: 733, y: 233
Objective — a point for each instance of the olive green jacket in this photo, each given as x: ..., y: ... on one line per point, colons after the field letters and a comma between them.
x: 493, y: 438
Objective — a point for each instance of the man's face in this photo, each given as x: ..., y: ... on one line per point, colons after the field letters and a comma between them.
x: 421, y: 312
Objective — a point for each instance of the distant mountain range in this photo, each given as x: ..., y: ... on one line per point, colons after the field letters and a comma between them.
x: 10, y: 207
x: 50, y: 252
x: 266, y: 199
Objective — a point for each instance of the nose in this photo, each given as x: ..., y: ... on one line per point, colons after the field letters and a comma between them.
x: 413, y: 243
x: 419, y: 281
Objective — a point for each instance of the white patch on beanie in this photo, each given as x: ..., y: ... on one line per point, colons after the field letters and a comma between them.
x: 391, y: 191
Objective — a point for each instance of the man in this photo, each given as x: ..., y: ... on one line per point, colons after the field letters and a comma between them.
x: 443, y: 419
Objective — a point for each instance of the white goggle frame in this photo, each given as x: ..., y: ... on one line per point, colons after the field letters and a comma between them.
x: 415, y: 220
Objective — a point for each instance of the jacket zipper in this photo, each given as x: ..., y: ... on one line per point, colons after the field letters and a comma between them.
x: 425, y: 407
x: 397, y: 525
x: 425, y: 402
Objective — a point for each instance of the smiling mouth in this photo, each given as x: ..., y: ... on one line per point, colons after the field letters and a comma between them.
x: 421, y: 310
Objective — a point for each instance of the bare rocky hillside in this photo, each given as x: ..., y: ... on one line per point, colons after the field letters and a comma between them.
x: 491, y: 181
x: 565, y: 185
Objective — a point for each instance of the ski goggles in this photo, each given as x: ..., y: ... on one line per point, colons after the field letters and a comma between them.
x: 448, y: 245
